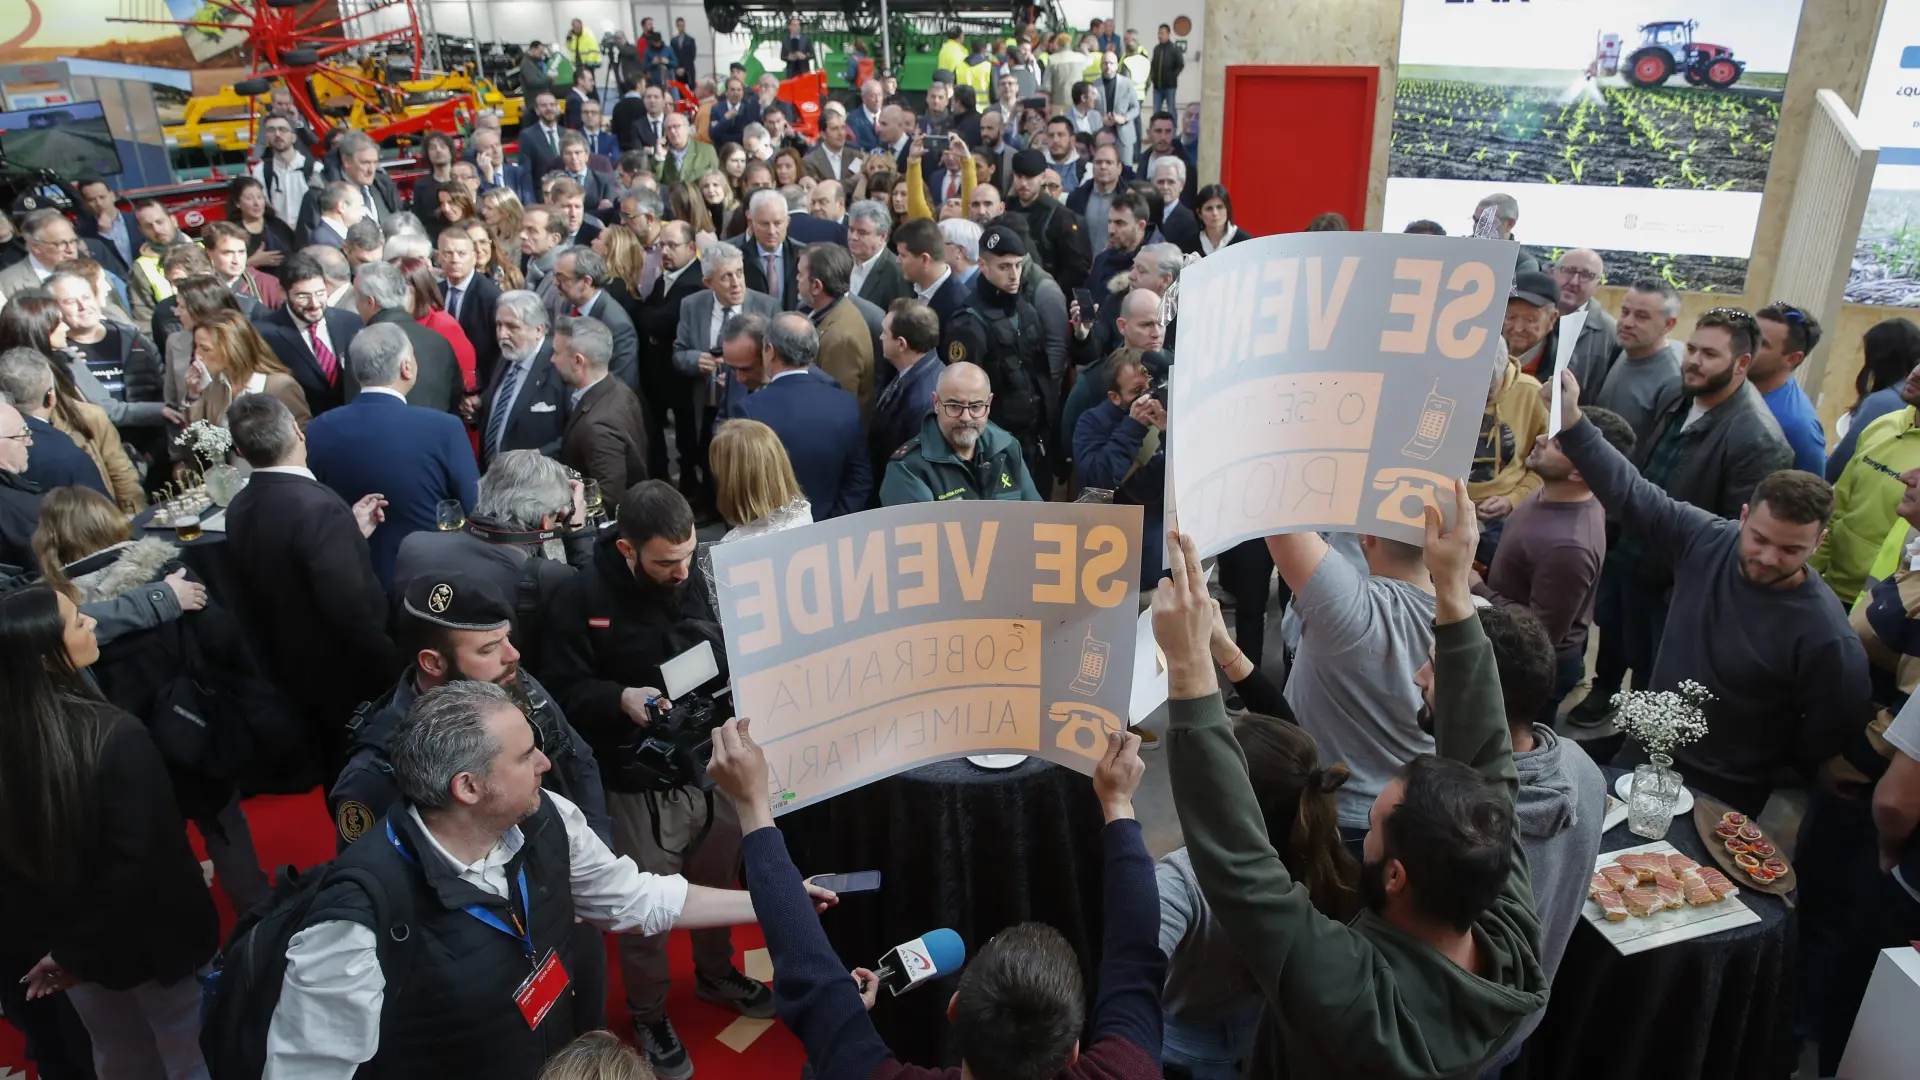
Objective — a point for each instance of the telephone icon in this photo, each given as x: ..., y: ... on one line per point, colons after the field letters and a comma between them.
x: 1093, y: 666
x: 1409, y: 493
x: 1431, y: 428
x: 1083, y: 729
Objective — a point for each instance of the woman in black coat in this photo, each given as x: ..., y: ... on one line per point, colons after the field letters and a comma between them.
x: 97, y: 880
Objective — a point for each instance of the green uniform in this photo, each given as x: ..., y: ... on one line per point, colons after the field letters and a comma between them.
x: 925, y: 469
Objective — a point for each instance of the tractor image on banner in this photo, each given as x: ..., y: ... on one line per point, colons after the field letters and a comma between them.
x: 1669, y: 48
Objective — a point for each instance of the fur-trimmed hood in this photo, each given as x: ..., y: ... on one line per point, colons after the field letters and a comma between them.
x: 121, y: 569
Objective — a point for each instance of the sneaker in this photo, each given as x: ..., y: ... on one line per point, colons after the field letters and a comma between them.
x: 1591, y: 712
x: 1148, y: 740
x: 748, y: 997
x: 664, y: 1050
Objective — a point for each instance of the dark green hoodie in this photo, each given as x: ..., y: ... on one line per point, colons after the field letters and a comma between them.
x: 1366, y: 999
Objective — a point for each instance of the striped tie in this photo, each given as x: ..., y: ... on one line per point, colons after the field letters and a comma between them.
x: 329, y: 364
x: 503, y: 407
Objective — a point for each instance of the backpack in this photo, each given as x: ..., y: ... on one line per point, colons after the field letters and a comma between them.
x: 241, y: 989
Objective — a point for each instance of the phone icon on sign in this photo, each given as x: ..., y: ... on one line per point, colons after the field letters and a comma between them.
x: 1431, y: 429
x: 1409, y: 493
x: 1093, y: 666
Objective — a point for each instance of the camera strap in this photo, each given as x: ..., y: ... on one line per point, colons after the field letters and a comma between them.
x: 653, y: 819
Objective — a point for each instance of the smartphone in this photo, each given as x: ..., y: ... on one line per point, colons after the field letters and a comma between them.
x: 842, y: 884
x: 1084, y: 297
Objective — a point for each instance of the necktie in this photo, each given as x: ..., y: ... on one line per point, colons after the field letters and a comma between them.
x: 366, y: 194
x: 503, y: 406
x: 453, y: 301
x: 553, y: 140
x: 773, y: 280
x: 329, y: 364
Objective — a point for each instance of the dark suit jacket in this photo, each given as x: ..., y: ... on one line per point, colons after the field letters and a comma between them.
x: 478, y: 305
x: 55, y: 460
x: 538, y: 157
x: 1182, y: 229
x: 414, y: 456
x: 860, y: 130
x: 626, y: 340
x: 88, y: 228
x: 515, y: 178
x: 570, y: 109
x: 805, y: 229
x: 539, y: 414
x: 898, y: 414
x: 590, y: 227
x: 439, y: 384
x: 386, y: 200
x: 317, y: 613
x: 819, y: 424
x: 757, y: 274
x: 885, y: 282
x: 601, y: 186
x: 325, y: 235
x: 643, y: 132
x: 948, y: 299
x: 606, y: 438
x: 288, y: 340
x: 724, y: 127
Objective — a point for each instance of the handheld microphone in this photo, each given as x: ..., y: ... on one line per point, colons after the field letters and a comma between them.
x: 938, y: 952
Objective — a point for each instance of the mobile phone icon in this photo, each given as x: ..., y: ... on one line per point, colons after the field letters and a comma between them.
x: 1093, y: 666
x: 1431, y: 429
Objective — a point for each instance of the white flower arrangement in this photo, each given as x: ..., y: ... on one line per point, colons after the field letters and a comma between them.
x: 1663, y: 720
x: 207, y: 441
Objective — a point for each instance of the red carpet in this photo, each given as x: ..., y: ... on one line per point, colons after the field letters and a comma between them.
x: 294, y: 829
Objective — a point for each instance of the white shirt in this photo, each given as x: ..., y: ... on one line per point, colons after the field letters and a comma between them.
x: 1208, y: 247
x: 927, y: 293
x: 387, y: 390
x: 291, y: 470
x: 719, y: 316
x: 289, y: 187
x: 861, y: 270
x: 837, y: 159
x: 671, y: 277
x: 783, y: 374
x: 1694, y: 413
x: 41, y: 272
x: 328, y: 1021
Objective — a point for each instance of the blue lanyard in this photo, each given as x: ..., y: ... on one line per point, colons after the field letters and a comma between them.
x: 524, y: 935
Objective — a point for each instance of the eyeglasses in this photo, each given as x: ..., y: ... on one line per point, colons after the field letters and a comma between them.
x: 957, y: 409
x: 25, y: 437
x: 70, y: 242
x: 1576, y: 275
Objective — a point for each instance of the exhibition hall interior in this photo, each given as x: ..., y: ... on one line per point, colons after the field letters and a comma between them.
x: 633, y: 539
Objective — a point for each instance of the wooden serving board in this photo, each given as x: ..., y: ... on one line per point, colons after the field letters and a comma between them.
x: 1706, y: 818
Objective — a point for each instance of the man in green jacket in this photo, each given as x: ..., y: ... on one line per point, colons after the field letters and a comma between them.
x: 1866, y: 497
x: 959, y: 454
x: 1439, y: 971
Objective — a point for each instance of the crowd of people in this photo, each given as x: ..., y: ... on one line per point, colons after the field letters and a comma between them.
x: 483, y: 425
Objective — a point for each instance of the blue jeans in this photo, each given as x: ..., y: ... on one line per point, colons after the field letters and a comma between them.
x: 1213, y: 1047
x: 1163, y: 101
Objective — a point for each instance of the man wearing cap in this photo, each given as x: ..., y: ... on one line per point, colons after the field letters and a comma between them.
x: 1000, y: 331
x: 1532, y: 313
x: 1059, y: 237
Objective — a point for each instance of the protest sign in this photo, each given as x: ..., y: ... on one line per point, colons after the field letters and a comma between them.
x: 1331, y: 381
x: 870, y: 644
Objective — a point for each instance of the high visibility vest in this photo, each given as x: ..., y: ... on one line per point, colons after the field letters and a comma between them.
x: 584, y: 48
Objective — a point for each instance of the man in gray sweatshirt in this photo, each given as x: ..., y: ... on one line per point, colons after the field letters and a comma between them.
x: 1563, y: 794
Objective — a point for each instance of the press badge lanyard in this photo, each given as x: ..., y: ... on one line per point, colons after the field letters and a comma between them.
x: 523, y: 935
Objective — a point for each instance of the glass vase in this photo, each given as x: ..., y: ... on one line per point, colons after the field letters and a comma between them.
x: 1656, y: 789
x: 223, y: 483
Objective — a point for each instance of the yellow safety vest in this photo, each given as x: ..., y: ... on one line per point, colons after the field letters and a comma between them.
x: 150, y: 266
x: 584, y: 48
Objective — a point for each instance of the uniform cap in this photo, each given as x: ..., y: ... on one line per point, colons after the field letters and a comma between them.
x: 457, y: 602
x: 1001, y: 240
x: 1535, y: 288
x: 1029, y: 163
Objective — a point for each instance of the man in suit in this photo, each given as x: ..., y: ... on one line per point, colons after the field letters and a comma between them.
x: 571, y: 198
x: 542, y: 230
x: 580, y: 275
x: 685, y: 53
x: 1119, y: 104
x: 55, y: 460
x: 525, y: 406
x: 768, y: 250
x: 922, y: 252
x: 380, y: 296
x: 833, y: 158
x: 600, y: 191
x: 817, y: 422
x: 606, y: 434
x: 470, y: 298
x: 683, y: 158
x: 876, y: 273
x: 338, y: 209
x: 307, y: 590
x: 1178, y: 226
x: 863, y: 121
x: 798, y: 51
x: 697, y: 346
x: 581, y: 93
x: 802, y: 227
x: 359, y: 167
x: 647, y: 130
x: 1163, y: 142
x: 310, y: 338
x: 910, y: 342
x: 490, y: 161
x: 732, y: 112
x: 664, y: 391
x: 413, y: 458
x: 845, y: 348
x: 540, y: 141
x: 628, y: 111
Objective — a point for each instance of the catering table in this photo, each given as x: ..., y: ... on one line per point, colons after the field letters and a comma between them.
x: 205, y: 555
x: 1718, y: 1007
x: 970, y: 849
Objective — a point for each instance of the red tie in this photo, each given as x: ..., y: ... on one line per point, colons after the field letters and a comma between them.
x: 329, y: 364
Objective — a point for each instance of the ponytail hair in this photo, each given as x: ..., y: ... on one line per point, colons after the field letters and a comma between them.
x: 1296, y: 797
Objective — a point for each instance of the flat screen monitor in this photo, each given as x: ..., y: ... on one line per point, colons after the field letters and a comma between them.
x: 72, y: 140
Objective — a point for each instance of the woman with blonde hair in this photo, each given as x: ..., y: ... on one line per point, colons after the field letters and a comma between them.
x: 597, y: 1055
x: 490, y: 257
x: 626, y: 257
x: 685, y: 203
x: 230, y: 361
x: 500, y: 208
x: 755, y: 489
x: 717, y: 194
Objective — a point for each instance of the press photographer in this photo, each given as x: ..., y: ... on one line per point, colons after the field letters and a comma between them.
x: 530, y: 528
x: 1120, y: 444
x: 610, y: 628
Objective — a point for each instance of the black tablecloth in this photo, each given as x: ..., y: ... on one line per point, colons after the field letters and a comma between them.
x: 970, y: 849
x: 205, y: 555
x: 1718, y: 1007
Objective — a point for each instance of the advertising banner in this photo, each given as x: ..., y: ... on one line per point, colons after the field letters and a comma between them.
x: 1639, y: 128
x: 1331, y: 381
x: 871, y: 644
x: 1886, y: 262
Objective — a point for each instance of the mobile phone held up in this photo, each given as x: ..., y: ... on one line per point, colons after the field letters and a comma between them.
x: 842, y: 884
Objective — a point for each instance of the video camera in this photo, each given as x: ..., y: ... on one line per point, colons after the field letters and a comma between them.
x: 673, y: 750
x: 1158, y: 364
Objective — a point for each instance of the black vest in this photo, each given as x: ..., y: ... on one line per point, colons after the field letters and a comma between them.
x: 451, y: 1012
x: 1015, y: 362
